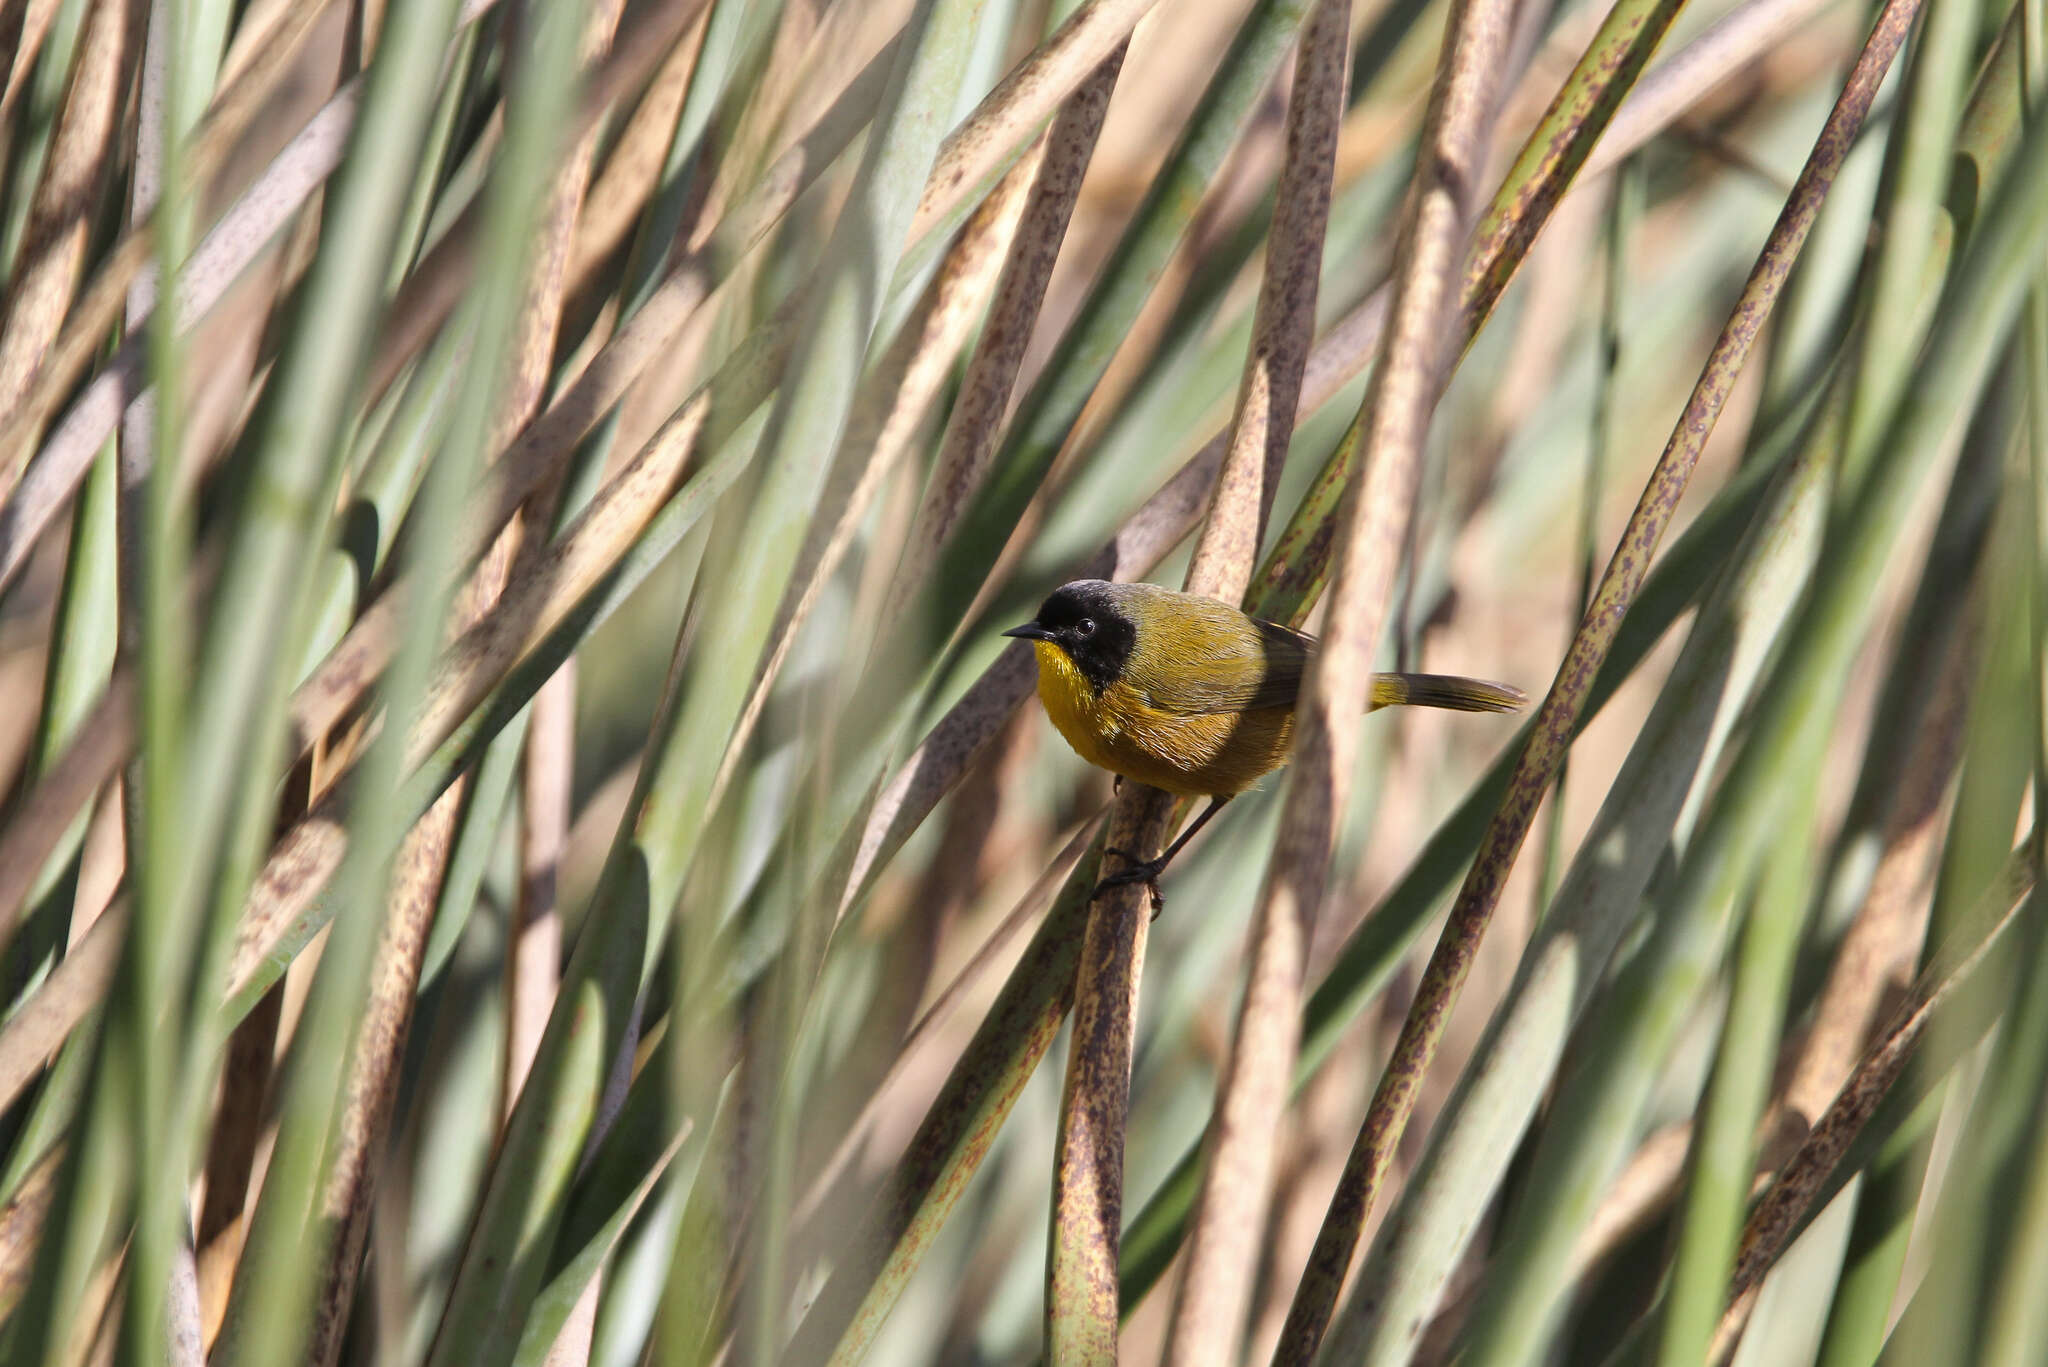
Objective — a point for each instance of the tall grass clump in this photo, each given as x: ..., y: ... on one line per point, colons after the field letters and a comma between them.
x: 521, y: 841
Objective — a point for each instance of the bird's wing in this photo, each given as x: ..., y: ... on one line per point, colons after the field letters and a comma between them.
x: 1217, y: 666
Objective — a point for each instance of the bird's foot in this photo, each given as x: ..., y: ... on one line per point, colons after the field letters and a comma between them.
x: 1145, y: 871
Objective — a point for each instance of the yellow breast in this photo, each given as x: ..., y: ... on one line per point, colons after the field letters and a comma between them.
x: 1070, y: 701
x: 1206, y: 755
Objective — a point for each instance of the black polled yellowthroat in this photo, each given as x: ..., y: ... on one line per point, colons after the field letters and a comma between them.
x: 1190, y: 695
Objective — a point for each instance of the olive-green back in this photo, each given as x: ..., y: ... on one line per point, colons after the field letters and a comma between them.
x: 1196, y: 656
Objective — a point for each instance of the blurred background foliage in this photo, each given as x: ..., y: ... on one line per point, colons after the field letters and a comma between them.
x: 521, y: 841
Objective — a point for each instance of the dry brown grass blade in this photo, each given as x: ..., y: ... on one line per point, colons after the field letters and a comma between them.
x: 573, y: 1345
x: 136, y: 450
x: 1210, y: 1301
x: 300, y: 863
x: 1283, y: 324
x: 372, y: 1084
x: 35, y: 19
x: 77, y: 984
x: 533, y: 957
x: 21, y: 1226
x: 632, y: 167
x: 259, y: 35
x: 67, y: 200
x: 38, y: 823
x: 103, y: 861
x: 540, y: 320
x: 185, y: 1344
x: 533, y: 950
x: 1785, y: 1204
x: 1878, y: 950
x: 807, y: 57
x: 100, y: 308
x: 1024, y: 98
x: 96, y: 1333
x: 1088, y: 1162
x: 372, y: 1090
x: 231, y: 1156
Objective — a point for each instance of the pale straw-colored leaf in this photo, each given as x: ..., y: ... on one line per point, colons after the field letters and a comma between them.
x: 1013, y: 111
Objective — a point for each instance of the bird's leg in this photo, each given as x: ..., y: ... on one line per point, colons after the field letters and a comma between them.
x: 1147, y: 871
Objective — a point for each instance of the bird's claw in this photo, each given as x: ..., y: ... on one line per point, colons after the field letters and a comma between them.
x: 1145, y: 871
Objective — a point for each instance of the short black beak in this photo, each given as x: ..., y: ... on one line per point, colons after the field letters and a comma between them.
x: 1030, y: 631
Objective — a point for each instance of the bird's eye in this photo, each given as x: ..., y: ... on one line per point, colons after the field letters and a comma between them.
x: 1085, y: 627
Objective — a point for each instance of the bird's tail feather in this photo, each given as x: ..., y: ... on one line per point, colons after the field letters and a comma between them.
x: 1445, y: 690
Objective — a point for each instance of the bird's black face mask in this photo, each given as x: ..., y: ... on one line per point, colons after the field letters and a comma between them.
x: 1087, y: 623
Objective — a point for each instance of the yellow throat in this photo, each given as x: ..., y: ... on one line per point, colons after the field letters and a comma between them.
x: 1070, y: 700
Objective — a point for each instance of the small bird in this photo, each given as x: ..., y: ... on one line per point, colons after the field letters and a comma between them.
x: 1190, y: 695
